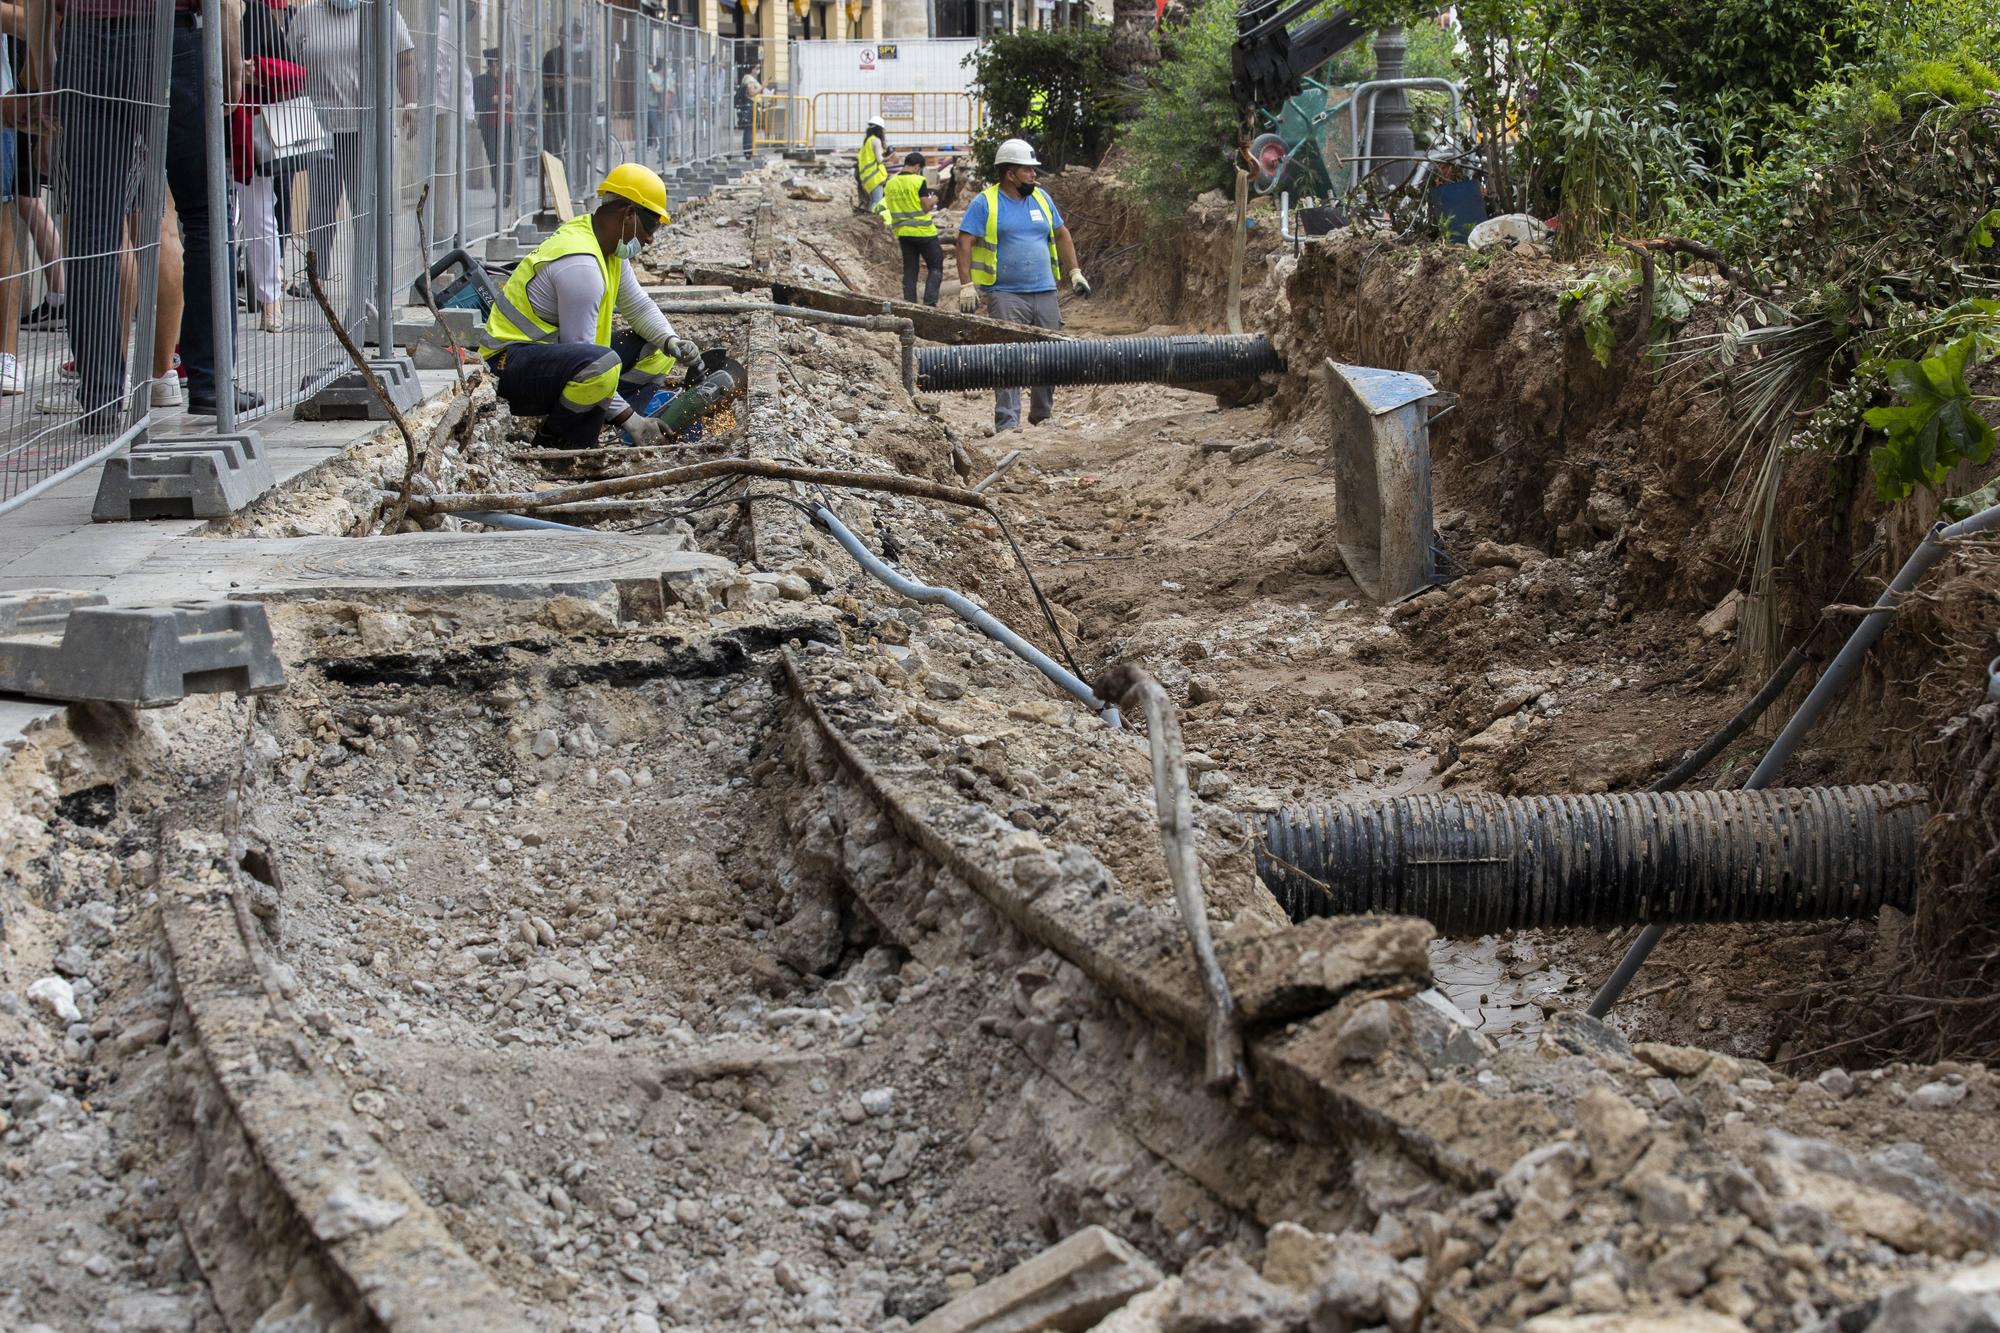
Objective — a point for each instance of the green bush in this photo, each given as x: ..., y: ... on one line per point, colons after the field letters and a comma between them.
x: 1622, y: 159
x: 1185, y: 139
x: 1065, y: 67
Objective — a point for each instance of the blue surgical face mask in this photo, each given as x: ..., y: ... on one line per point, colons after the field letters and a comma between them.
x: 627, y: 249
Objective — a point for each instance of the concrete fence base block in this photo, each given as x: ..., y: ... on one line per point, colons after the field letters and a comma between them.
x: 71, y: 647
x: 1070, y: 1286
x: 348, y: 397
x: 196, y: 476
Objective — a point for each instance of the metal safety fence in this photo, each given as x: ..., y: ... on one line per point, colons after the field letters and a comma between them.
x: 782, y: 121
x: 167, y: 165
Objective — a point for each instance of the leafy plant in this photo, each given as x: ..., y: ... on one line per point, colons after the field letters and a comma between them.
x: 1049, y: 86
x: 1602, y: 292
x: 1185, y: 139
x: 1627, y: 163
x: 1936, y: 426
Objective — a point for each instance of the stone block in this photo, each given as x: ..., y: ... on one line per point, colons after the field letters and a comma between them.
x: 1070, y: 1286
x: 206, y: 476
x: 58, y: 645
x: 348, y: 397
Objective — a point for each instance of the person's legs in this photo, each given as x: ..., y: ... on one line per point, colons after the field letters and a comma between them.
x: 12, y: 278
x: 1043, y: 313
x: 1015, y: 308
x: 99, y: 142
x: 260, y: 248
x: 642, y: 366
x: 566, y: 384
x: 489, y: 136
x: 913, y: 251
x: 167, y: 313
x: 187, y: 178
x: 934, y: 269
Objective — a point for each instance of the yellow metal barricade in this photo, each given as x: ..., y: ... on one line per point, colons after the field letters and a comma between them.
x: 781, y: 120
x: 913, y: 118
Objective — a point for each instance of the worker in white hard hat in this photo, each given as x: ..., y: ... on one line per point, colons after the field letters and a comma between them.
x: 871, y: 167
x: 1012, y: 242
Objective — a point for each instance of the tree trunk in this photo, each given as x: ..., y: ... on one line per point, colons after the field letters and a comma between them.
x: 1132, y: 47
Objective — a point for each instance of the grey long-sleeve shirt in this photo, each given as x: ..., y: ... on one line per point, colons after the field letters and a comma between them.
x: 567, y: 293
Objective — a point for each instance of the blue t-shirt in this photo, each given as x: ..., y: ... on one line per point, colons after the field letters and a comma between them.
x: 1022, y: 261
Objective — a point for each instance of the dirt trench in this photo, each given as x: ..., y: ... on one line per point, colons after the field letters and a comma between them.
x: 767, y: 952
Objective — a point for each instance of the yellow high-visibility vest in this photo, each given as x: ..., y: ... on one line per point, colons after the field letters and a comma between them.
x: 869, y: 166
x: 986, y: 249
x: 513, y: 319
x: 907, y: 214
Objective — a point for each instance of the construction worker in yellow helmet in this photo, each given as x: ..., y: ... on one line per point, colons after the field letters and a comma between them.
x: 549, y: 337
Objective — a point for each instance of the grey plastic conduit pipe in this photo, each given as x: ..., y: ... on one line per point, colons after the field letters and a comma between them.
x: 1839, y: 674
x: 518, y: 522
x: 964, y: 607
x: 969, y: 611
x: 904, y: 329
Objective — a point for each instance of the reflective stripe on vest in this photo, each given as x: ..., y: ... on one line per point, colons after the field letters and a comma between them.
x: 513, y: 320
x: 907, y: 214
x: 869, y: 166
x: 986, y: 249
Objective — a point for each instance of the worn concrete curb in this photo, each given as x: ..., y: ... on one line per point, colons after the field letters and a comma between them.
x: 1142, y: 957
x: 353, y: 1206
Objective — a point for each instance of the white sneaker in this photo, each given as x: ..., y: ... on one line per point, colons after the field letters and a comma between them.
x: 167, y: 391
x: 10, y: 373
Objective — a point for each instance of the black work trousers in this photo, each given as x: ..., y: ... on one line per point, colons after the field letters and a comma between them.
x: 927, y: 249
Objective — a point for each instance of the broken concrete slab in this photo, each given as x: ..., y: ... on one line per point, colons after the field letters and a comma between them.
x: 503, y: 564
x: 1290, y: 973
x: 1069, y: 1286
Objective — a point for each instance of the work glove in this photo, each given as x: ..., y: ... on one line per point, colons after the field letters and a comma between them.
x: 644, y: 431
x: 684, y: 350
x: 1078, y: 283
x: 968, y: 299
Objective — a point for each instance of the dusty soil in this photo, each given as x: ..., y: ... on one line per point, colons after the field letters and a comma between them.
x: 571, y: 908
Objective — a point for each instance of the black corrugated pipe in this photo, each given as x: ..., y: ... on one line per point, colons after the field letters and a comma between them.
x: 1177, y: 360
x: 1476, y: 864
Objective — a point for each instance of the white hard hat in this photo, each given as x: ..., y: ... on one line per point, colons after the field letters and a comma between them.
x: 877, y: 123
x: 1015, y: 153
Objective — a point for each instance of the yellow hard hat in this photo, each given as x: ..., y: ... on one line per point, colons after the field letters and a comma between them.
x: 641, y: 185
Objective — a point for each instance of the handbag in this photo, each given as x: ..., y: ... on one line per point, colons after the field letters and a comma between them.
x: 289, y: 131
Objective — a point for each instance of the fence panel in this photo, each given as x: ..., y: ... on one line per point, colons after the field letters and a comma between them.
x: 914, y: 119
x: 155, y: 199
x: 782, y: 120
x: 82, y: 217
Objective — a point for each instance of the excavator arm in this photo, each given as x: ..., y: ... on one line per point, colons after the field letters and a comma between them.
x: 1271, y: 58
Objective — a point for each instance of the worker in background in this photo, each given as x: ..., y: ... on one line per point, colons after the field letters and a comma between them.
x: 871, y: 167
x: 909, y: 198
x: 549, y: 337
x: 1012, y: 242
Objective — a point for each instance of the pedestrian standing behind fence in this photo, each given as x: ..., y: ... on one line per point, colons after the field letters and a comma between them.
x: 104, y: 48
x: 454, y: 101
x: 268, y: 78
x: 495, y: 99
x: 909, y: 198
x: 325, y: 37
x: 1012, y: 242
